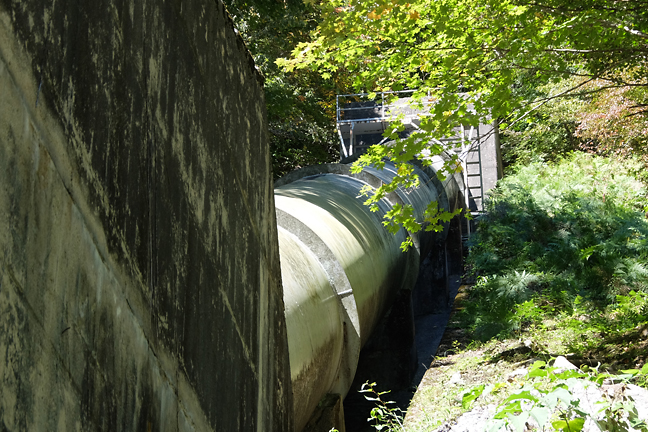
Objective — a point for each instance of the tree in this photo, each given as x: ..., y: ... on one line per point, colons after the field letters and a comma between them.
x: 467, y: 55
x: 549, y: 132
x: 300, y: 112
x: 613, y: 122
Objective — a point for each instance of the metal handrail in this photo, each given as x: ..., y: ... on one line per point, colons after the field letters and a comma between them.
x: 381, y: 104
x: 376, y: 93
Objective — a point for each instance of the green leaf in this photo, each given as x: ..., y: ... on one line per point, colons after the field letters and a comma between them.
x: 526, y: 395
x: 574, y: 425
x: 497, y: 425
x: 519, y: 421
x: 570, y: 373
x: 511, y: 408
x: 631, y: 372
x: 537, y: 370
x: 562, y: 393
x: 541, y: 415
x: 560, y: 425
x: 469, y: 397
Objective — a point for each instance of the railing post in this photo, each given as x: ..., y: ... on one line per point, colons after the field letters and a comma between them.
x: 351, y: 139
x: 337, y: 107
x: 342, y: 145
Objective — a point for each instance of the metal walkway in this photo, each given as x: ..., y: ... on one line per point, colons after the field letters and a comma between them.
x: 361, y: 123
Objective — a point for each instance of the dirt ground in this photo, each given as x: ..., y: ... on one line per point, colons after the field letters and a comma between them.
x: 461, y: 364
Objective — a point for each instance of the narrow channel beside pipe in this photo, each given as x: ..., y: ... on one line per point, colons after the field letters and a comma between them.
x: 341, y: 268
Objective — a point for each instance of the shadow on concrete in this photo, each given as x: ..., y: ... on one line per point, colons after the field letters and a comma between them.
x: 386, y: 367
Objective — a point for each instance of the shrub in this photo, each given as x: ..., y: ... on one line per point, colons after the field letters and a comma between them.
x: 557, y: 232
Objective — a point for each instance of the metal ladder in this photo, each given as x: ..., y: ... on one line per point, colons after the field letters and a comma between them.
x: 471, y: 164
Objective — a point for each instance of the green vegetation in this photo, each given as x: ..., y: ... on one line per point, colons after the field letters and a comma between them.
x: 549, y: 132
x: 550, y: 397
x: 301, y: 106
x: 561, y: 240
x: 599, y: 120
x: 543, y: 397
x: 384, y: 415
x: 561, y: 257
x: 469, y: 57
x: 561, y: 261
x: 534, y: 397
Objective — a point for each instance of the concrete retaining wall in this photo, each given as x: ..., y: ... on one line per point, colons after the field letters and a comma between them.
x: 139, y: 271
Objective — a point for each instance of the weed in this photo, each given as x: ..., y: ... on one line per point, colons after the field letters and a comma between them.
x: 561, y: 267
x: 550, y: 397
x: 384, y: 416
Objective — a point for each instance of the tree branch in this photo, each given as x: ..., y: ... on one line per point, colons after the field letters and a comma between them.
x: 642, y: 6
x: 625, y: 27
x: 546, y: 100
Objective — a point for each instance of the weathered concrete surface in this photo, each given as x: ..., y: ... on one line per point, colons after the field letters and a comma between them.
x: 491, y: 155
x: 139, y: 270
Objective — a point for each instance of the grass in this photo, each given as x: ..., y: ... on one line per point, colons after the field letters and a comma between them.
x: 560, y: 241
x: 440, y: 395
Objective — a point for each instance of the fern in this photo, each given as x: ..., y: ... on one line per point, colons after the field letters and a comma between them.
x: 572, y: 229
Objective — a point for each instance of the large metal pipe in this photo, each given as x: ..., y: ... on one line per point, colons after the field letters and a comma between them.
x: 341, y: 268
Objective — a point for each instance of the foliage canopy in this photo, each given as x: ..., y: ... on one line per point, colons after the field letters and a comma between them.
x: 469, y: 56
x: 300, y: 111
x: 448, y: 47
